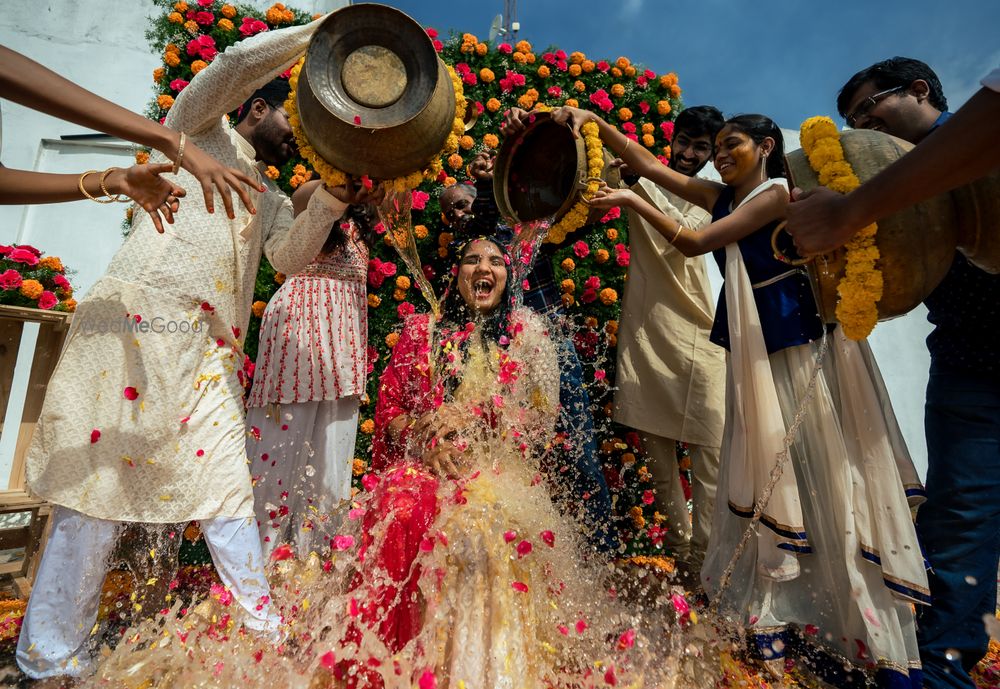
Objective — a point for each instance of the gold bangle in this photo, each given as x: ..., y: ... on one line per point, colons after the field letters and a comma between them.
x: 628, y: 141
x: 678, y: 233
x: 180, y: 153
x: 120, y: 198
x: 83, y: 189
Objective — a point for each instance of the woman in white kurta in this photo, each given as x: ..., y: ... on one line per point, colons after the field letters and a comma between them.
x: 302, y: 414
x: 143, y: 418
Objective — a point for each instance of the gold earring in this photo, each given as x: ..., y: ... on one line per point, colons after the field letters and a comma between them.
x: 763, y: 165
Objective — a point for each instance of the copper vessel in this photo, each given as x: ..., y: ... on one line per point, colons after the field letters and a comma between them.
x: 374, y: 98
x: 541, y: 171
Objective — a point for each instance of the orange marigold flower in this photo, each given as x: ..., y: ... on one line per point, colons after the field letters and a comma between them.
x: 617, y: 90
x: 181, y: 6
x: 445, y: 238
x: 367, y: 426
x: 277, y: 14
x: 648, y: 141
x: 391, y: 339
x: 192, y: 27
x: 402, y: 282
x: 567, y: 286
x: 568, y: 300
x: 625, y: 114
x: 158, y: 73
x: 579, y: 86
x: 299, y: 169
x: 530, y: 58
x: 164, y: 101
x: 616, y: 73
x: 645, y: 476
x: 668, y: 80
x: 171, y: 59
x: 628, y: 458
x: 279, y: 278
x: 666, y: 151
x: 398, y: 294
x: 576, y: 57
x: 32, y: 289
x: 608, y: 296
x: 612, y: 342
x: 588, y: 66
x: 630, y: 71
x: 258, y: 307
x: 272, y: 172
x: 226, y: 25
x: 492, y: 105
x: 590, y: 322
x: 520, y: 58
x: 482, y: 49
x: 466, y: 142
x: 526, y: 101
x: 296, y: 181
x: 523, y: 46
x: 141, y: 157
x: 622, y: 62
x: 648, y: 128
x: 171, y: 48
x: 568, y: 265
x: 228, y: 11
x: 175, y: 18
x: 573, y: 102
x: 374, y: 301
x: 70, y: 305
x: 663, y: 107
x: 52, y: 263
x: 611, y: 233
x: 420, y: 231
x: 443, y: 251
x: 601, y: 256
x: 611, y: 327
x: 544, y: 71
x: 455, y: 161
x: 198, y: 65
x: 487, y: 76
x: 450, y: 181
x: 470, y: 38
x: 675, y: 91
x: 575, y: 70
x: 358, y: 466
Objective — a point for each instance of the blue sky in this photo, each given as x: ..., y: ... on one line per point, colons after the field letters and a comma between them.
x: 784, y: 59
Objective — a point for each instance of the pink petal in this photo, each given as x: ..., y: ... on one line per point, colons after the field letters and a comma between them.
x: 519, y: 586
x: 509, y: 536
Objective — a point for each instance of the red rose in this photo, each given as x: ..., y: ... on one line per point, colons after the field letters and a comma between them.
x: 643, y: 107
x: 549, y: 57
x: 405, y: 309
x: 5, y: 250
x: 555, y: 91
x: 251, y: 26
x: 438, y: 45
x: 419, y: 199
x: 47, y: 300
x: 612, y: 214
x: 470, y: 79
x: 505, y: 48
x: 462, y: 69
x: 10, y: 279
x: 603, y: 66
x: 388, y: 268
x: 668, y: 130
x: 375, y: 275
x: 22, y: 255
x: 593, y: 282
x: 432, y: 33
x: 178, y: 85
x: 628, y: 127
x: 204, y: 18
x: 28, y: 247
x: 581, y: 249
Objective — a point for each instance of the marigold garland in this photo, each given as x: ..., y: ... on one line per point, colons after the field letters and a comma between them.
x: 577, y: 215
x: 861, y: 287
x: 333, y: 177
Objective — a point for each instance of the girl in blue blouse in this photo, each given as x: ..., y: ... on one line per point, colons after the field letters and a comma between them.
x: 834, y: 564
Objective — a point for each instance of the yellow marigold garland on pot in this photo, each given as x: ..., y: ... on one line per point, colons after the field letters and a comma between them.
x: 861, y: 287
x: 577, y: 215
x: 333, y: 177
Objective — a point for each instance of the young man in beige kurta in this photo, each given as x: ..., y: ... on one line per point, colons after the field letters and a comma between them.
x: 143, y: 420
x: 671, y: 379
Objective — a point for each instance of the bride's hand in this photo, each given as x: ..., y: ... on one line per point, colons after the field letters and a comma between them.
x: 607, y: 197
x: 441, y: 424
x: 442, y: 459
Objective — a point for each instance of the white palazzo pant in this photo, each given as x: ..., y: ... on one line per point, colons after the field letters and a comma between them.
x: 301, y: 469
x: 64, y: 602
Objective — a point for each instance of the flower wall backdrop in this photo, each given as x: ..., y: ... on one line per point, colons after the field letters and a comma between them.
x: 591, y: 264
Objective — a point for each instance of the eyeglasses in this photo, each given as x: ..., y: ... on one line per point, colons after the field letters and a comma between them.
x: 865, y: 107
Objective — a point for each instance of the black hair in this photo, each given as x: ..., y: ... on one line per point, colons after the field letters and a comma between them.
x: 700, y: 120
x: 364, y: 219
x: 274, y: 93
x: 455, y: 313
x: 892, y: 73
x: 758, y: 128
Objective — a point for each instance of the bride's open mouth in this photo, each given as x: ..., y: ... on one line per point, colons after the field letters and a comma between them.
x: 482, y: 288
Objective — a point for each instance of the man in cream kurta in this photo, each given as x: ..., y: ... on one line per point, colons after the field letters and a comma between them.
x: 143, y: 420
x: 671, y: 379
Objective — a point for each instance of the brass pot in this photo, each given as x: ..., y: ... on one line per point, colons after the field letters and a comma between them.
x: 374, y: 98
x: 541, y: 172
x: 916, y: 245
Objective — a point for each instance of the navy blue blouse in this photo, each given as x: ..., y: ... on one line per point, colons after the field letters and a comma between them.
x: 787, y: 307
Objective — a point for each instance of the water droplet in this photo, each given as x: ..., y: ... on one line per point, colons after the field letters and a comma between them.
x: 778, y: 645
x: 971, y: 580
x: 953, y: 654
x: 310, y: 470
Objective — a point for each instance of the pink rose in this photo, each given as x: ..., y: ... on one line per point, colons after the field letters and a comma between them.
x: 205, y: 3
x: 549, y: 57
x: 642, y: 81
x: 593, y: 282
x: 28, y: 247
x: 405, y: 309
x: 628, y: 127
x: 178, y: 85
x: 588, y: 296
x: 668, y: 130
x: 47, y: 300
x: 469, y: 79
x: 5, y: 250
x: 623, y: 259
x: 462, y: 69
x: 252, y: 26
x: 643, y: 107
x: 603, y: 66
x: 375, y: 275
x: 562, y: 65
x: 505, y: 48
x: 419, y: 199
x: 204, y: 18
x: 649, y: 74
x: 22, y: 255
x: 581, y: 249
x: 388, y: 269
x: 612, y: 214
x: 438, y: 45
x: 431, y: 33
x: 10, y: 279
x: 555, y: 91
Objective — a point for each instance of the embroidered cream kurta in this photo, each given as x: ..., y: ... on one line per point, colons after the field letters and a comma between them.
x: 671, y: 379
x: 143, y: 420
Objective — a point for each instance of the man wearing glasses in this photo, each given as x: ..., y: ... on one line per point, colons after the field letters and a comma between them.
x: 959, y: 525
